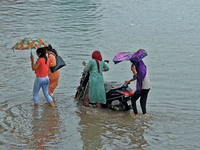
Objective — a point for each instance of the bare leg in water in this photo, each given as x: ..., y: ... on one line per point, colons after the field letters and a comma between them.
x: 98, y: 105
x: 86, y: 97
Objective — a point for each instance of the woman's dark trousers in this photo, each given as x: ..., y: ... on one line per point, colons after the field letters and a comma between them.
x: 143, y: 99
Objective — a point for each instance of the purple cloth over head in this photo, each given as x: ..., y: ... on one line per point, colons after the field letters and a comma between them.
x: 141, y: 73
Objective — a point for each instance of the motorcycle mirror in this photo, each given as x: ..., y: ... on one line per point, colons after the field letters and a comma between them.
x: 107, y: 61
x: 84, y: 63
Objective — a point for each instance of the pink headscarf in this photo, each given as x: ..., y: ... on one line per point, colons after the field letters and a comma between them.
x: 96, y: 55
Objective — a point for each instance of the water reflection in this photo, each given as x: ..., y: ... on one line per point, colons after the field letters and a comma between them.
x: 92, y: 130
x: 105, y: 129
x: 45, y: 127
x: 23, y: 126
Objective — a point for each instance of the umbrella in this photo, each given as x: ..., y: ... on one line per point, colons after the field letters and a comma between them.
x: 137, y: 56
x: 30, y: 43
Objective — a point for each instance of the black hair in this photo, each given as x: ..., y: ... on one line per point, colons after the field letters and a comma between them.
x: 49, y: 48
x: 42, y: 53
x: 55, y: 52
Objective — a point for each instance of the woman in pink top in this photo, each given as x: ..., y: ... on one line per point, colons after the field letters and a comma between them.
x: 42, y: 80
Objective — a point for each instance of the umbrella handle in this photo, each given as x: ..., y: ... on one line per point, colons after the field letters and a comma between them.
x: 36, y: 46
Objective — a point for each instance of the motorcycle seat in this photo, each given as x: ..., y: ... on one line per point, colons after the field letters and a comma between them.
x: 112, y: 85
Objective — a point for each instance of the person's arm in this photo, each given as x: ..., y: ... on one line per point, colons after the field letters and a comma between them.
x: 87, y: 67
x: 52, y: 60
x: 133, y: 70
x: 129, y: 81
x: 34, y: 66
x: 134, y: 77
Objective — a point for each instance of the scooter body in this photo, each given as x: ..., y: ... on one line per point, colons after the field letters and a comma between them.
x: 118, y: 95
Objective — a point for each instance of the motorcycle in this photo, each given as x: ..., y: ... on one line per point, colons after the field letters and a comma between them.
x: 118, y: 95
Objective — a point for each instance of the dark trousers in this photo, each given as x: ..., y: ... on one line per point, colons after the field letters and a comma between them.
x: 143, y: 99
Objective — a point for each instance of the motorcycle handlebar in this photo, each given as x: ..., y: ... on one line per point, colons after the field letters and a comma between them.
x: 126, y: 84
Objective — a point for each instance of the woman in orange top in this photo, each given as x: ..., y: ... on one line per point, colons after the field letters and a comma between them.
x: 53, y: 77
x: 42, y: 80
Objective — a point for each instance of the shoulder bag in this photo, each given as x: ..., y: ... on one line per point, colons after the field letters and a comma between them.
x: 59, y: 64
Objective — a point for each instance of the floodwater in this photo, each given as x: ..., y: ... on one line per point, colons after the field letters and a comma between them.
x: 167, y: 30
